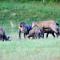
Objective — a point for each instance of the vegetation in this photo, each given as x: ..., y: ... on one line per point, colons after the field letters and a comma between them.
x: 44, y: 1
x: 42, y: 49
x: 12, y: 13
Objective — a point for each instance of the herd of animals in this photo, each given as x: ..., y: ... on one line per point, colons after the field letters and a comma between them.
x: 35, y: 30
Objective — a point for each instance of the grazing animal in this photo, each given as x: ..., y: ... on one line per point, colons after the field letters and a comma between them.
x: 46, y: 24
x: 39, y: 32
x: 24, y: 28
x: 3, y: 35
x: 36, y: 32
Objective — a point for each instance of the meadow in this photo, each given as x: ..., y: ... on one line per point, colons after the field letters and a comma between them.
x: 11, y: 14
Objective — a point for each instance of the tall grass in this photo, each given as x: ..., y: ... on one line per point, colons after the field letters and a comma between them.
x: 27, y: 12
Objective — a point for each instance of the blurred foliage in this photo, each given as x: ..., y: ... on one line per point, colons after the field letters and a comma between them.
x: 27, y: 12
x: 44, y: 1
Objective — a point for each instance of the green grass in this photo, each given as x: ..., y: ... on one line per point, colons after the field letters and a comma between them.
x: 27, y: 12
x: 43, y: 49
x: 25, y: 49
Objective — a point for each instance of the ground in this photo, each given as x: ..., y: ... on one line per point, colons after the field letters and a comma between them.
x: 42, y: 49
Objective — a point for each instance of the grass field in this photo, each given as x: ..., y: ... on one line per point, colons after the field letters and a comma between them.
x: 24, y: 49
x: 43, y: 49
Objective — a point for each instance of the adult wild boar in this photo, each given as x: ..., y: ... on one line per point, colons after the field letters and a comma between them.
x: 24, y: 28
x: 37, y: 32
x: 46, y: 24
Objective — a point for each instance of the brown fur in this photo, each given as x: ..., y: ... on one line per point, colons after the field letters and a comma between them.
x: 46, y: 24
x: 35, y: 32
